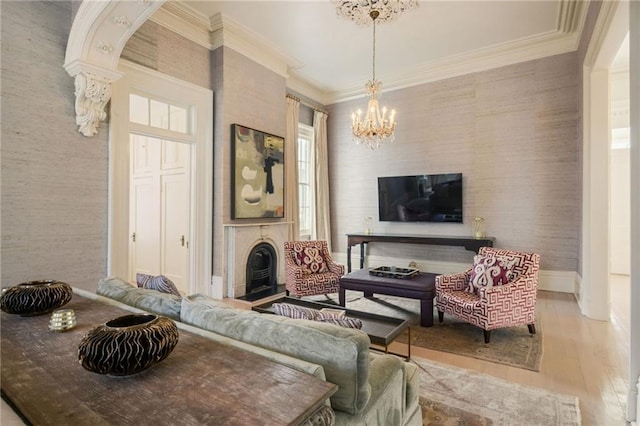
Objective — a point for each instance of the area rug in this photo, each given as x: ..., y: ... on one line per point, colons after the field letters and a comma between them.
x: 456, y: 396
x: 513, y: 346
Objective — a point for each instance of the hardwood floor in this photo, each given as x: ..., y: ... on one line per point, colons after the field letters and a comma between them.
x: 582, y: 357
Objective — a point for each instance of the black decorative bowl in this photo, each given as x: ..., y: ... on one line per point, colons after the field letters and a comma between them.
x: 35, y: 297
x: 128, y: 344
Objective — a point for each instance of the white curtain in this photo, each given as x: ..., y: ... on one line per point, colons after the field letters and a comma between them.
x: 322, y: 217
x: 291, y: 168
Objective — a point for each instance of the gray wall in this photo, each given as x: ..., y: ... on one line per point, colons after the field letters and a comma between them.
x: 160, y: 49
x: 511, y: 131
x: 249, y: 94
x: 54, y: 180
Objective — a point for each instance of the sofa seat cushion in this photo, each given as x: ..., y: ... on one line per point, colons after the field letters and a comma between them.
x: 342, y: 352
x: 152, y: 301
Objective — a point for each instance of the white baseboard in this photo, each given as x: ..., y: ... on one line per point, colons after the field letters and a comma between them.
x: 558, y: 281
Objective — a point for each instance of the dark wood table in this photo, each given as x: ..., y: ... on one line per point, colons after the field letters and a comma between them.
x: 422, y: 287
x: 201, y: 382
x: 469, y: 243
x: 382, y: 330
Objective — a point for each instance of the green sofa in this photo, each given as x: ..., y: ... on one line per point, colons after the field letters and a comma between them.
x: 374, y: 389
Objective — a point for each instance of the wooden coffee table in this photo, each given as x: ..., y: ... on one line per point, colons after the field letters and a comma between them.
x: 381, y: 330
x: 201, y: 382
x: 422, y: 287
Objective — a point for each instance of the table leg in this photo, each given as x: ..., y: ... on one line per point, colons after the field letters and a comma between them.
x: 341, y: 299
x: 426, y: 312
x: 362, y: 255
x: 348, y: 258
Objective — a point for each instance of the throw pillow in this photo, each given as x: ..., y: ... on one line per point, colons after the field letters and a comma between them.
x: 490, y: 271
x: 159, y: 283
x: 311, y: 260
x: 293, y: 311
x: 342, y: 322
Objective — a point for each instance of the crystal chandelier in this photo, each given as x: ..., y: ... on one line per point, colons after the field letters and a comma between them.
x: 375, y: 128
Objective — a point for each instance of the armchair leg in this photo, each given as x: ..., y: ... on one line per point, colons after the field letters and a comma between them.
x: 487, y: 335
x: 286, y: 292
x: 532, y: 328
x: 440, y: 316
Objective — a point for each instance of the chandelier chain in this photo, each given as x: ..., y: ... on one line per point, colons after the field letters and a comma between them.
x: 374, y: 50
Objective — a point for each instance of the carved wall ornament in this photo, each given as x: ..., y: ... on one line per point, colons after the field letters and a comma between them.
x: 104, y: 47
x: 92, y: 95
x: 121, y: 21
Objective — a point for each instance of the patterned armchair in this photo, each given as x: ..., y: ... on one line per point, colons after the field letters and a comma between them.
x: 498, y: 291
x: 309, y: 269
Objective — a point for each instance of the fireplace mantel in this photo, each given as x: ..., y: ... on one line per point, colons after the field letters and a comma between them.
x: 240, y: 240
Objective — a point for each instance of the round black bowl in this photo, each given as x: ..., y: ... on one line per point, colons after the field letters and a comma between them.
x: 35, y: 297
x: 128, y: 344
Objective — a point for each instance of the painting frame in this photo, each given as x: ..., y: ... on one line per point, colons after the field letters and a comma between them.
x: 257, y: 174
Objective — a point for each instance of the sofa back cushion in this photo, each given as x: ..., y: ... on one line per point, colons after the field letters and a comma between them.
x: 342, y: 352
x: 153, y: 301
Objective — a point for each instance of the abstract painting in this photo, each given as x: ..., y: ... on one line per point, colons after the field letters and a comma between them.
x: 257, y: 174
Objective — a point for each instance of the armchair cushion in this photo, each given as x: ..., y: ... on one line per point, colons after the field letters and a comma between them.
x: 310, y: 259
x: 489, y: 271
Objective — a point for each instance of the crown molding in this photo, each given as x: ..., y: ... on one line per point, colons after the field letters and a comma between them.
x: 229, y: 33
x: 221, y: 30
x: 523, y: 50
x: 185, y: 21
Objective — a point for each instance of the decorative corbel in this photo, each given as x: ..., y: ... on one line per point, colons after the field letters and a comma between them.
x: 92, y: 95
x: 98, y: 34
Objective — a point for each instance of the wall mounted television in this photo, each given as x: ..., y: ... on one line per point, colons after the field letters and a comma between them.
x: 421, y: 198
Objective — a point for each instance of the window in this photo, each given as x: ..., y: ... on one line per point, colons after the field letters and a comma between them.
x: 306, y: 189
x: 161, y: 115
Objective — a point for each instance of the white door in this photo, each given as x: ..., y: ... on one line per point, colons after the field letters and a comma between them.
x: 151, y: 105
x: 160, y: 209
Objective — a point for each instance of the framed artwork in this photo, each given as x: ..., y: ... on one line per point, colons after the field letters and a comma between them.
x: 257, y: 188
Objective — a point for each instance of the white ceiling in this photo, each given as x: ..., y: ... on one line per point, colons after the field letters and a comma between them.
x: 333, y: 56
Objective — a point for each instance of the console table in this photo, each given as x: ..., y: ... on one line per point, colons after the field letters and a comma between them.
x: 201, y: 382
x: 469, y: 243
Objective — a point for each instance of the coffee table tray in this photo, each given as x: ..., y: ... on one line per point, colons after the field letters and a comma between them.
x: 394, y: 272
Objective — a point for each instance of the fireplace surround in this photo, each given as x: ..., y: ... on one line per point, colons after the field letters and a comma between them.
x: 245, y: 240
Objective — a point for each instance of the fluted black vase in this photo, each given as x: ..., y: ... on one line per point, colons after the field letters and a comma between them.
x: 128, y: 344
x: 35, y: 297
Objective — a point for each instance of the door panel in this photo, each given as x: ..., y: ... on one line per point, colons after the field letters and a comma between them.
x: 146, y: 222
x: 175, y: 199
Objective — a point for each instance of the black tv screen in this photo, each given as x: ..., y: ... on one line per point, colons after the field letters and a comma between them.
x: 421, y: 198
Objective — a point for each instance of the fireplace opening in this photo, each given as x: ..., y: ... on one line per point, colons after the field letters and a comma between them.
x: 262, y: 270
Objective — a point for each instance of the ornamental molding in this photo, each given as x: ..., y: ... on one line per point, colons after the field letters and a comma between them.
x: 92, y: 92
x: 98, y: 34
x: 221, y: 30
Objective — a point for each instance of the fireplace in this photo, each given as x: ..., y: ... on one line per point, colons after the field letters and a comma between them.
x: 254, y: 251
x: 262, y: 269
